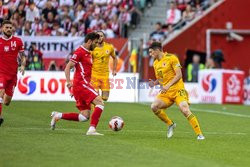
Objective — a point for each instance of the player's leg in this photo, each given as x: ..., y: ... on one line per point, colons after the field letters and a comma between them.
x: 158, y: 107
x: 95, y: 117
x: 82, y: 116
x: 105, y: 87
x: 184, y: 107
x: 96, y: 83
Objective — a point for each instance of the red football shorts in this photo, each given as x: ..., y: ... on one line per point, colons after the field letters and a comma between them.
x: 84, y: 95
x: 8, y: 83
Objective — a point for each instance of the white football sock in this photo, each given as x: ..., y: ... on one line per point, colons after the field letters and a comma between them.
x: 82, y: 118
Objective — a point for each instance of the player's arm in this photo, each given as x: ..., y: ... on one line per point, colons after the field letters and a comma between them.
x: 23, y: 62
x: 67, y: 69
x: 114, y: 62
x: 177, y: 77
x: 178, y: 74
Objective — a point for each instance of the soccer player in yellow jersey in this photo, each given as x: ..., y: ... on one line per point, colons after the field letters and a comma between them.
x: 168, y: 74
x: 100, y: 68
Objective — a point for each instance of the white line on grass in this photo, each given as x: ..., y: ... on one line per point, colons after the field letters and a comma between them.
x: 213, y: 111
x: 142, y: 131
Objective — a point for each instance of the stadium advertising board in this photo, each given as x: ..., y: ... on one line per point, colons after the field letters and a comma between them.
x: 221, y: 86
x: 51, y: 86
x: 210, y: 86
x: 233, y: 91
x: 53, y: 47
x: 147, y: 94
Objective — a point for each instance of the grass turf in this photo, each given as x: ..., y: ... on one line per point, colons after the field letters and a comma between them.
x: 26, y: 140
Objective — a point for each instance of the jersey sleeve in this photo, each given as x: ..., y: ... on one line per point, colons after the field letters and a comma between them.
x: 76, y: 57
x: 175, y: 63
x: 21, y: 46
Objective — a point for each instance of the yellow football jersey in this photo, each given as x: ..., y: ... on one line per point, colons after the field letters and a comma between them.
x: 100, y: 56
x: 165, y: 70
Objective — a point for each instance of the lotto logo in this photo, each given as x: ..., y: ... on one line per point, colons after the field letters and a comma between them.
x: 209, y: 83
x: 26, y: 86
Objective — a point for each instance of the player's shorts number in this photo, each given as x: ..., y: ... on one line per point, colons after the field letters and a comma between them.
x: 182, y: 92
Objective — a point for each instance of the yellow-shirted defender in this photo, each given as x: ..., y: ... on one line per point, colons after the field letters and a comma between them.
x: 100, y: 68
x: 168, y: 74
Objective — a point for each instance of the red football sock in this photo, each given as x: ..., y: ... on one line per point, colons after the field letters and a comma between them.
x: 96, y: 115
x: 70, y: 116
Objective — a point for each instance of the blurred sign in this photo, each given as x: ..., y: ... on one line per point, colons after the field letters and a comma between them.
x: 51, y: 86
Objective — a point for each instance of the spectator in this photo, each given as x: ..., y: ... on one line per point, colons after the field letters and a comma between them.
x: 73, y: 32
x: 40, y: 3
x: 193, y: 69
x: 51, y: 19
x: 158, y: 34
x: 125, y: 18
x: 52, y: 66
x: 79, y: 13
x: 114, y: 25
x: 49, y: 8
x: 96, y: 22
x: 21, y: 10
x: 57, y: 30
x: 109, y: 33
x: 188, y: 14
x: 35, y: 58
x: 66, y: 2
x: 27, y: 31
x: 4, y: 12
x: 210, y: 63
x: 173, y: 14
x: 32, y: 12
x: 46, y: 31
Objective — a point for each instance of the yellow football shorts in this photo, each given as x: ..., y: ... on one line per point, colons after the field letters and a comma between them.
x: 100, y: 82
x: 175, y: 95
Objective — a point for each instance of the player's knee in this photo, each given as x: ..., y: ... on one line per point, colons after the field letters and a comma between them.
x: 7, y: 103
x: 154, y: 107
x: 105, y: 98
x: 185, y: 110
x: 99, y: 101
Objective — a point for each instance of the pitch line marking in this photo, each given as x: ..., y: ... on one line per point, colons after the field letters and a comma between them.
x: 143, y: 131
x: 213, y: 111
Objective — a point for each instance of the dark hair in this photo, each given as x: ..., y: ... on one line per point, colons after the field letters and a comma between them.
x: 6, y: 22
x: 155, y: 45
x: 101, y: 32
x: 91, y: 36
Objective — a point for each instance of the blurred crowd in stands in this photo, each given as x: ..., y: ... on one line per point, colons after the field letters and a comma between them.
x: 180, y: 13
x: 72, y: 17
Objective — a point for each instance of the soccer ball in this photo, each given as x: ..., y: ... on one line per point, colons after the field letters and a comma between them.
x: 116, y: 123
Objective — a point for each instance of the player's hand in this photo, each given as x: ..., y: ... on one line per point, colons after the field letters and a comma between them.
x: 164, y: 89
x: 114, y: 73
x: 69, y: 85
x: 22, y: 70
x: 151, y: 83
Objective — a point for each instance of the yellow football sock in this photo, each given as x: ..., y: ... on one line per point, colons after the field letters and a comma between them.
x: 163, y: 116
x: 195, y: 124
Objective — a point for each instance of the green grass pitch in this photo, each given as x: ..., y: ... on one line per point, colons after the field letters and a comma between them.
x: 26, y: 140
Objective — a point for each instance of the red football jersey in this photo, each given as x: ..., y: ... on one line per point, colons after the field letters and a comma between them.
x: 83, y: 66
x: 9, y: 49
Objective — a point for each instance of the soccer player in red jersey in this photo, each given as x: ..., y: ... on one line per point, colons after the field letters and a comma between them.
x: 83, y: 92
x: 10, y: 48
